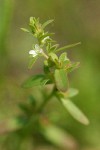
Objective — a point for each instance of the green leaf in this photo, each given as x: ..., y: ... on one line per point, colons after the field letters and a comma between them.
x: 72, y: 92
x: 32, y: 20
x: 45, y: 35
x: 73, y: 66
x: 61, y: 80
x: 67, y: 47
x: 32, y: 100
x: 46, y: 67
x: 31, y: 62
x: 47, y: 23
x: 63, y: 57
x: 44, y: 82
x: 9, y: 125
x: 25, y: 30
x: 35, y: 80
x: 53, y: 56
x: 75, y: 111
x: 58, y: 137
x: 24, y: 108
x: 53, y: 48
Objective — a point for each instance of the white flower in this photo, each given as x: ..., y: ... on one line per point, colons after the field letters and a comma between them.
x: 37, y: 50
x: 33, y: 53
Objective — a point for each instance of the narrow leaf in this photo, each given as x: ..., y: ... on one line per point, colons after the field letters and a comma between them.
x: 73, y: 66
x: 24, y: 108
x: 58, y: 137
x: 35, y: 80
x: 53, y: 56
x: 67, y: 46
x: 53, y: 48
x: 61, y: 80
x: 46, y: 23
x: 63, y: 57
x: 25, y: 30
x: 72, y: 92
x: 75, y: 111
x: 9, y: 125
x: 32, y: 100
x: 44, y: 82
x: 31, y: 62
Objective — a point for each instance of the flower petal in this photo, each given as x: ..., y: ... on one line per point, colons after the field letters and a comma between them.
x: 33, y: 53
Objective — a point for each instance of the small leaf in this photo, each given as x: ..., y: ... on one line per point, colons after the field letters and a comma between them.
x: 72, y: 92
x: 61, y: 80
x: 53, y: 56
x: 53, y: 48
x: 46, y: 23
x: 46, y: 67
x: 24, y: 108
x: 45, y: 35
x: 63, y: 57
x: 58, y: 137
x: 9, y: 125
x: 44, y: 82
x: 67, y: 46
x: 64, y: 60
x: 35, y: 80
x: 32, y: 100
x: 75, y: 111
x: 25, y: 30
x: 31, y: 62
x: 32, y: 20
x: 73, y: 66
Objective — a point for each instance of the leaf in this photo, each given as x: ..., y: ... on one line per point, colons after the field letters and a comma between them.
x: 31, y: 62
x: 32, y: 20
x: 45, y: 67
x: 53, y: 56
x: 64, y: 61
x: 24, y: 108
x: 25, y: 30
x: 73, y: 66
x: 32, y: 100
x: 61, y: 80
x: 72, y: 92
x: 9, y: 125
x: 67, y: 46
x: 35, y: 80
x: 75, y: 111
x: 45, y: 35
x: 63, y: 57
x: 46, y: 23
x: 51, y: 48
x: 58, y: 137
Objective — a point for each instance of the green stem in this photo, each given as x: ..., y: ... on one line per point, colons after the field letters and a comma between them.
x: 46, y: 100
x: 44, y: 55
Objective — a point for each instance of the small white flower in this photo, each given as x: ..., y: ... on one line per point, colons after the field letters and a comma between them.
x: 37, y: 50
x: 33, y: 53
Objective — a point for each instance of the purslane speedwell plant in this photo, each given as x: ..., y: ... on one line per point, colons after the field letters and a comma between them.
x: 56, y: 69
x: 32, y: 121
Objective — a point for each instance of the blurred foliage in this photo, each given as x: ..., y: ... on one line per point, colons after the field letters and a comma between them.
x: 74, y: 21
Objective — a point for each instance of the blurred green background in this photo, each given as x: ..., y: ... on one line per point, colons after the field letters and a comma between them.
x: 75, y: 21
